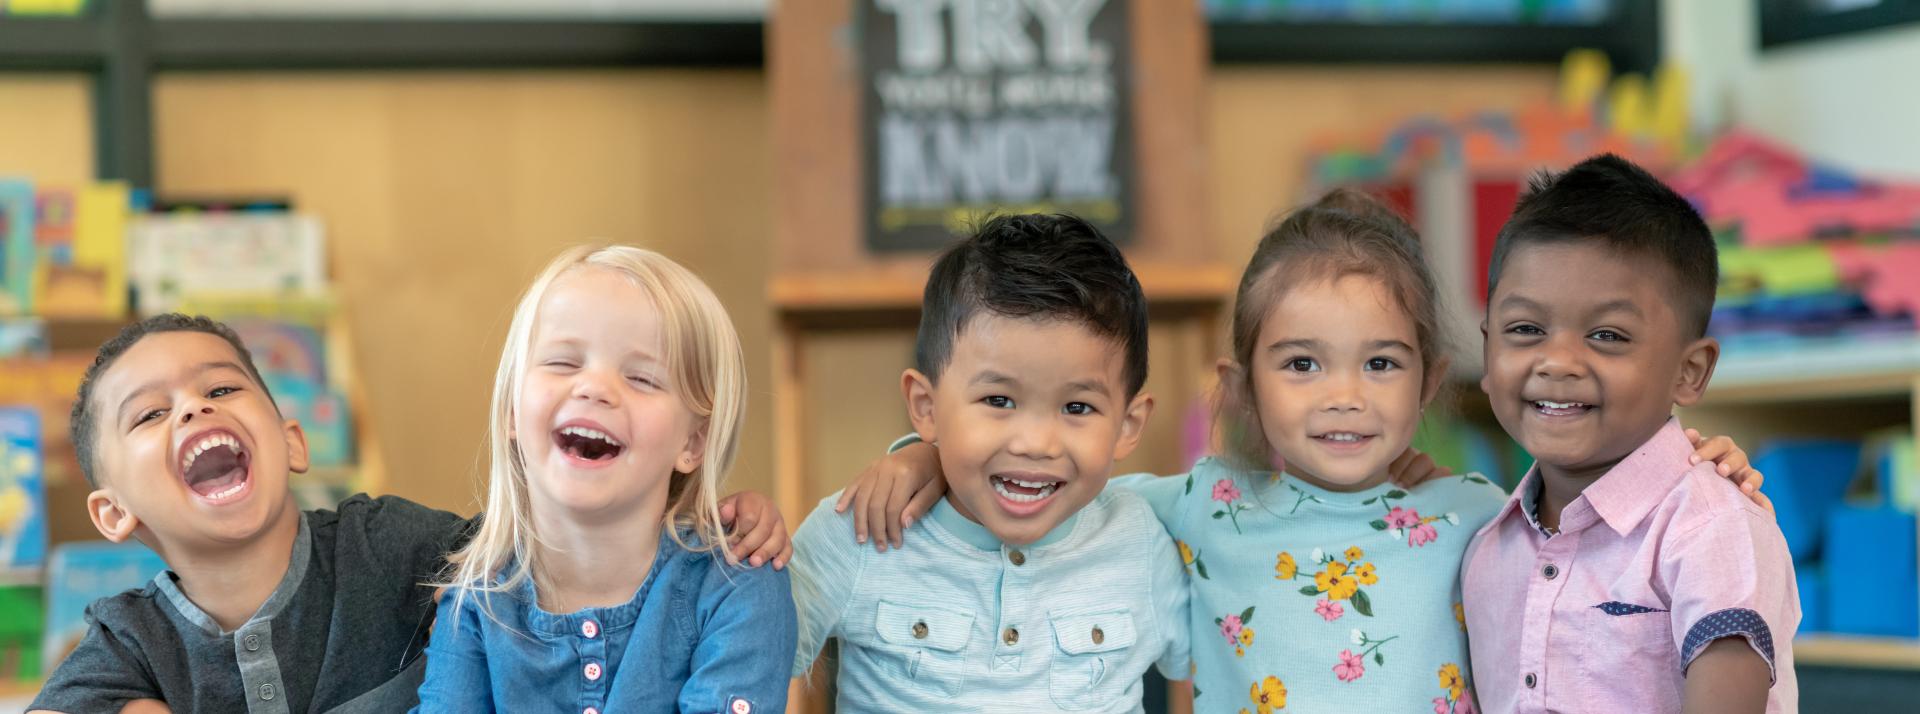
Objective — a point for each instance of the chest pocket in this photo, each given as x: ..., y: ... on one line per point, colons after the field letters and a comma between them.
x: 1090, y: 647
x: 925, y: 646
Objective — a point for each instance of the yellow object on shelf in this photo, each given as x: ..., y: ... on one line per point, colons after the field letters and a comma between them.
x: 1856, y: 651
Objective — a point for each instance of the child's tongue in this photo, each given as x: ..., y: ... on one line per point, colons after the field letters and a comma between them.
x: 217, y: 470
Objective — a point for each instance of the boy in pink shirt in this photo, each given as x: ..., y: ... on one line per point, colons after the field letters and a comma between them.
x: 1620, y: 576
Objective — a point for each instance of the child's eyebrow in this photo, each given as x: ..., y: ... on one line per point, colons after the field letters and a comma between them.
x: 1621, y: 305
x: 1301, y: 344
x: 1097, y: 386
x: 195, y: 370
x: 992, y: 377
x: 1389, y: 345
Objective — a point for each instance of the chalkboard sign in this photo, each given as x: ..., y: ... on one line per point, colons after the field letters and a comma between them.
x: 978, y: 106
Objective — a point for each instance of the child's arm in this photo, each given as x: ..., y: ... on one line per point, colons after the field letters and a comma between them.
x: 103, y: 673
x: 825, y: 571
x: 758, y: 531
x: 457, y: 678
x: 893, y: 492
x: 746, y: 645
x: 1731, y: 607
x: 1728, y: 676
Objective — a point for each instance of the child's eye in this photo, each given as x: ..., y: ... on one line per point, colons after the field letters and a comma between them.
x: 559, y: 363
x: 1608, y: 336
x: 1529, y: 330
x: 218, y: 392
x: 999, y: 402
x: 1301, y: 364
x: 1078, y: 409
x: 148, y: 416
x: 1381, y: 364
x: 643, y: 381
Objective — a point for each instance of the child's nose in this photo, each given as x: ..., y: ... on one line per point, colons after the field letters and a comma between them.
x: 186, y: 415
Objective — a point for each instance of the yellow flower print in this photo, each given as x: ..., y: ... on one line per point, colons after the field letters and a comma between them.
x: 1268, y: 695
x: 1186, y: 553
x: 1335, y: 582
x: 1460, y: 616
x: 1450, y: 680
x: 1365, y: 574
x: 1246, y: 637
x: 1355, y: 553
x: 1285, y: 568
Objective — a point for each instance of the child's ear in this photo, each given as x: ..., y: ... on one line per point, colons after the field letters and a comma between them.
x: 297, y: 458
x: 1232, y: 377
x: 1436, y: 376
x: 1696, y: 369
x: 918, y: 390
x: 695, y: 452
x: 114, y: 523
x: 1133, y: 424
x: 1486, y: 387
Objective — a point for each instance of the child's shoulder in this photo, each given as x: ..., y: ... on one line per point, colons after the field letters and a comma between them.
x: 1119, y: 513
x: 1702, y: 496
x: 1474, y: 498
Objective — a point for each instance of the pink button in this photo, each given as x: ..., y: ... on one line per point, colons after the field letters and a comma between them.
x: 593, y: 671
x: 590, y: 629
x: 742, y: 706
x: 589, y: 710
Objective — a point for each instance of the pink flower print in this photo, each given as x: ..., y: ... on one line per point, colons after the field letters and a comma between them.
x: 1329, y: 610
x: 1422, y: 534
x: 1440, y: 706
x: 1230, y: 628
x: 1464, y: 705
x: 1225, y: 492
x: 1351, y: 666
x: 1402, y: 517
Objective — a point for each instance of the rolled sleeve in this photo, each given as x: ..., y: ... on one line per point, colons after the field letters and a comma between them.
x: 740, y: 663
x: 1731, y: 577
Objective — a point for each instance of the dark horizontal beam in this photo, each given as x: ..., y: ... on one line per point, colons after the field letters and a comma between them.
x: 1278, y: 42
x: 46, y: 44
x: 450, y: 44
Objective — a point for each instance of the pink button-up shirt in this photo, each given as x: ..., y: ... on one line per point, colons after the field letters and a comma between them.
x: 1652, y: 562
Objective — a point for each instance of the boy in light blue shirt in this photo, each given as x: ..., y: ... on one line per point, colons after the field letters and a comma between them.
x: 1027, y: 587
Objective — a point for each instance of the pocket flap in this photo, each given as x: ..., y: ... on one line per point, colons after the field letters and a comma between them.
x: 923, y: 626
x: 1089, y: 632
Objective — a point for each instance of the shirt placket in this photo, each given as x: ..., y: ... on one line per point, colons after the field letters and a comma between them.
x: 259, y: 668
x: 590, y: 641
x: 1547, y: 580
x: 1009, y: 640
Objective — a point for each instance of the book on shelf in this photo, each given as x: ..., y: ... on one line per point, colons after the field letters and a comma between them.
x: 23, y: 502
x: 262, y: 253
x: 17, y: 246
x: 79, y: 573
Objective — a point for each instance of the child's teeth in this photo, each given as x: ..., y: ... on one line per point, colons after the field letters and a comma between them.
x: 1046, y: 489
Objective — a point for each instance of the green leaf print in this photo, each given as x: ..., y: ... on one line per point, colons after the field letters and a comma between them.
x: 1189, y: 483
x: 1379, y: 659
x: 1202, y: 568
x: 1217, y: 515
x: 1396, y: 494
x: 1246, y: 615
x: 1362, y: 604
x: 1478, y: 480
x: 1369, y: 501
x: 1378, y: 524
x: 1309, y: 591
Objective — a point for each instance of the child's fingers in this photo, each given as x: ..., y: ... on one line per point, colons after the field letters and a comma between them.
x: 923, y: 501
x: 1711, y: 449
x: 858, y: 507
x: 896, y: 502
x: 1762, y: 499
x: 754, y: 545
x: 1750, y: 480
x: 876, y: 510
x: 727, y: 511
x: 786, y: 554
x: 1693, y: 436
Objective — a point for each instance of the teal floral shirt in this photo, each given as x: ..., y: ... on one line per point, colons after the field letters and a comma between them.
x: 1308, y: 600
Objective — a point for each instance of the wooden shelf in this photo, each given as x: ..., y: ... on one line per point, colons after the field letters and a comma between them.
x: 896, y: 289
x: 1857, y: 651
x: 1839, y: 369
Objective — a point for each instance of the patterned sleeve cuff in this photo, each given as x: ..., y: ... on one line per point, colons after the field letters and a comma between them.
x: 903, y: 442
x: 1733, y: 621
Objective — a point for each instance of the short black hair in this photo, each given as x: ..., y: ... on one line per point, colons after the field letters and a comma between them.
x: 82, y: 427
x: 1607, y: 200
x: 1034, y: 266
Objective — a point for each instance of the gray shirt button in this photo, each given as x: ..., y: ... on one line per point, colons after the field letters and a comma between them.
x: 253, y: 644
x: 266, y: 692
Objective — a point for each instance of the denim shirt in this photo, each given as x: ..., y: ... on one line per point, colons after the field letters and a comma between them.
x: 957, y: 621
x: 707, y: 637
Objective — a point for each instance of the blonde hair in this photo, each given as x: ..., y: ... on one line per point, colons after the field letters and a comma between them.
x: 707, y: 372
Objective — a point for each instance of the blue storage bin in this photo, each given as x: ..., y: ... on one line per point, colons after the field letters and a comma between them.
x: 1805, y: 479
x: 1872, y: 579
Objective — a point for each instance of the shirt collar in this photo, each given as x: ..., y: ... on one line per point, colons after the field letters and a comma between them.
x: 1633, y: 487
x: 612, y: 617
x: 978, y: 536
x: 282, y: 594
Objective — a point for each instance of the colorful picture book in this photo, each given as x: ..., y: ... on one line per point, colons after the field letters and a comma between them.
x: 80, y: 573
x: 23, y: 509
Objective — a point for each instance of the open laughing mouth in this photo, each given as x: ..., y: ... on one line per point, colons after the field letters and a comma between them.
x: 1024, y: 493
x: 1560, y: 409
x: 216, y: 466
x: 587, y: 444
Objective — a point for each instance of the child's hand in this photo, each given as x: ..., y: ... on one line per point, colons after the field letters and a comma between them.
x: 759, y: 532
x: 1732, y: 464
x: 894, y: 492
x: 1413, y: 468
